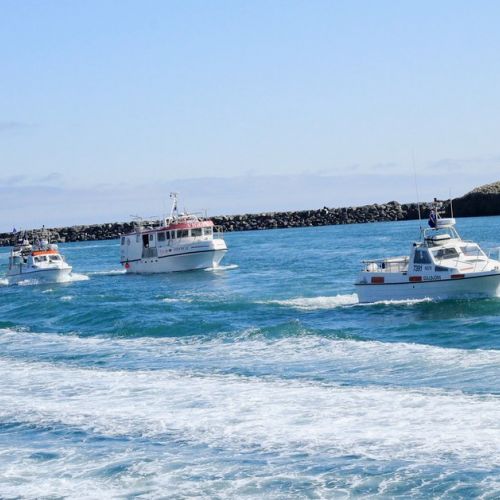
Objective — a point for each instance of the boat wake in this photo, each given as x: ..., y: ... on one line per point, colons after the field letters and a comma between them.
x: 70, y: 278
x: 4, y: 282
x: 73, y: 277
x: 313, y: 303
x: 404, y: 302
x: 112, y: 272
x: 171, y: 300
x: 229, y: 267
x: 27, y: 282
x: 347, y: 300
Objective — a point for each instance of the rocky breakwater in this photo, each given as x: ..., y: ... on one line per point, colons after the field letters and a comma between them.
x: 73, y: 233
x: 484, y: 200
x: 325, y: 216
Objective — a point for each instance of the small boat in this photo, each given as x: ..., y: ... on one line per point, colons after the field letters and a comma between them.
x: 181, y: 242
x: 440, y: 266
x: 41, y: 261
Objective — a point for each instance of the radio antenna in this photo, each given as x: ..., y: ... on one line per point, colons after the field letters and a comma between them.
x: 416, y: 188
x: 451, y: 205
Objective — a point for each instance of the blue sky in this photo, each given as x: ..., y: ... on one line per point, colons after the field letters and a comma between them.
x: 106, y: 106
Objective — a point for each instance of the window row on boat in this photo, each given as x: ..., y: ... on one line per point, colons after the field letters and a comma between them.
x: 447, y: 253
x: 164, y: 236
x: 47, y: 258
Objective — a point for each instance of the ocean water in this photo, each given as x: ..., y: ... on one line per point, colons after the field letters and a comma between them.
x: 263, y: 379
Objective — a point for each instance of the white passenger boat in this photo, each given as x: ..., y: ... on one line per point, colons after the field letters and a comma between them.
x: 40, y: 261
x: 440, y: 266
x: 181, y: 242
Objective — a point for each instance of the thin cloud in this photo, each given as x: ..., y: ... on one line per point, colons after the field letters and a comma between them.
x: 13, y: 125
x: 485, y: 164
x: 13, y: 180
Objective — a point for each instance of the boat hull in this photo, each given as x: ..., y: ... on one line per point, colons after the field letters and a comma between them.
x: 54, y: 275
x: 187, y: 261
x: 476, y: 286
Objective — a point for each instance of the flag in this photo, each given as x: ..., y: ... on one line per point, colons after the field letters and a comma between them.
x: 432, y: 219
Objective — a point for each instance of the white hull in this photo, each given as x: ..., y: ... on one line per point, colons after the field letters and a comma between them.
x: 182, y: 261
x: 475, y: 286
x: 53, y: 275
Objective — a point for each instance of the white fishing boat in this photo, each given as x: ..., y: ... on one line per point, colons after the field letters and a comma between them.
x: 440, y: 266
x: 40, y: 261
x: 181, y: 242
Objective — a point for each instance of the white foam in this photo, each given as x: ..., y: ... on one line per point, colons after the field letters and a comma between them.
x: 28, y: 282
x: 332, y: 302
x: 112, y: 272
x: 172, y: 300
x: 312, y: 303
x: 315, y: 417
x: 4, y: 282
x: 358, y: 360
x: 408, y: 302
x: 74, y: 277
x: 67, y: 298
x: 229, y: 267
x: 236, y: 413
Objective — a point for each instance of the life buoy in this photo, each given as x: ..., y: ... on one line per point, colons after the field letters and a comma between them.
x: 127, y: 265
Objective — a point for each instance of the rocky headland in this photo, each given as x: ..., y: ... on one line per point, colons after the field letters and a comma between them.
x: 481, y: 201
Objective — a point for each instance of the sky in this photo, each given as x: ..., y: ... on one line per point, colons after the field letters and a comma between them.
x: 107, y: 106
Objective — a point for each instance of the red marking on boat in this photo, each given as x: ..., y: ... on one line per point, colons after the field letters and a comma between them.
x: 44, y: 252
x: 415, y: 279
x: 377, y: 280
x: 457, y: 276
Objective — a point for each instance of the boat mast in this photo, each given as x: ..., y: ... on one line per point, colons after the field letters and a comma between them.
x: 416, y: 190
x: 173, y: 210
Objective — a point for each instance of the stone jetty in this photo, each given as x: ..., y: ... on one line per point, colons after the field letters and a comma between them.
x: 484, y: 200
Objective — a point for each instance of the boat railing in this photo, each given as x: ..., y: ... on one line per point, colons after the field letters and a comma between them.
x: 390, y: 265
x: 494, y: 253
x: 218, y: 232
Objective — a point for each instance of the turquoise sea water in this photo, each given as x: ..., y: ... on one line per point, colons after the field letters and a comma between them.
x: 264, y: 379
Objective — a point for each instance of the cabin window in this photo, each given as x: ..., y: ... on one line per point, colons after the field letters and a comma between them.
x: 471, y: 251
x: 161, y: 236
x: 446, y: 253
x: 54, y: 258
x: 167, y: 234
x: 182, y: 233
x: 123, y: 240
x: 422, y: 256
x: 151, y: 237
x: 196, y: 232
x: 172, y: 235
x: 207, y: 231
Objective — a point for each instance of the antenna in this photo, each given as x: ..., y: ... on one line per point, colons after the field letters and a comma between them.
x: 451, y: 205
x: 416, y: 188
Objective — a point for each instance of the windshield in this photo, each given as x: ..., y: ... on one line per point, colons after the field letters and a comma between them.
x: 445, y: 253
x: 471, y: 250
